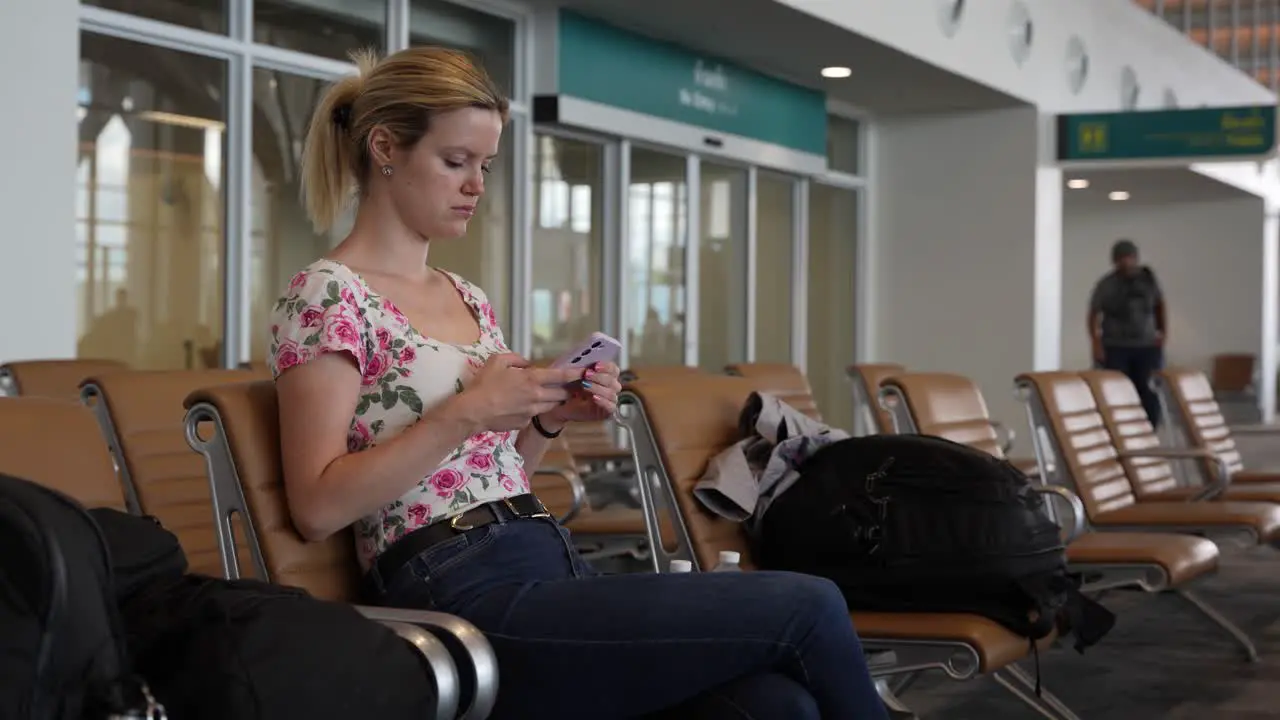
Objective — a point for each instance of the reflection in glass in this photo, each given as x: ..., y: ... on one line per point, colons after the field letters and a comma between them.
x: 833, y: 237
x: 722, y: 268
x: 774, y: 222
x: 282, y: 241
x: 568, y: 240
x: 328, y: 29
x: 654, y: 277
x: 490, y: 39
x: 149, y: 205
x: 207, y: 15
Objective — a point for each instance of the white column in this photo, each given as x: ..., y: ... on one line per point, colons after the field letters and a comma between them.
x: 1269, y: 354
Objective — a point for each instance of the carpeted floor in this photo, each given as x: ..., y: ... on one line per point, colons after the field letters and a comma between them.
x: 1163, y: 659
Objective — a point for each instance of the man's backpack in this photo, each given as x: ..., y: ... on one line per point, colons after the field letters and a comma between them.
x: 905, y: 523
x: 62, y: 648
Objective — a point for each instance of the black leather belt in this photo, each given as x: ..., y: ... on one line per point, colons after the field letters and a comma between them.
x: 413, y: 544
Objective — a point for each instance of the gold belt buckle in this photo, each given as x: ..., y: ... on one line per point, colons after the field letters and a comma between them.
x: 453, y: 523
x: 512, y: 507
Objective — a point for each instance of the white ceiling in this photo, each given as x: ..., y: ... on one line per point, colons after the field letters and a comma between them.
x: 792, y: 45
x: 1147, y: 186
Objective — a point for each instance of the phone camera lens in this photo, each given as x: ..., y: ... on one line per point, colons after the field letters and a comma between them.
x: 596, y: 344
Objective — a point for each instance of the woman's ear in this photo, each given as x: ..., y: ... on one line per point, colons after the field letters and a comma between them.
x: 380, y: 147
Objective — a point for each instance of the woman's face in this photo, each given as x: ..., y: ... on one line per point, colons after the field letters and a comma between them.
x: 437, y: 183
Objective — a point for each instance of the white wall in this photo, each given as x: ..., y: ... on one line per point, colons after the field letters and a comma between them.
x: 1115, y: 33
x: 954, y: 268
x: 39, y: 50
x: 1207, y: 255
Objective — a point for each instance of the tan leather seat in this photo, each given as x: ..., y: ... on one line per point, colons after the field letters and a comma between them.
x: 692, y: 420
x: 1189, y: 395
x: 57, y: 443
x: 784, y: 381
x: 58, y: 379
x: 1090, y: 457
x: 143, y: 416
x: 866, y: 379
x: 1152, y: 476
x: 952, y: 407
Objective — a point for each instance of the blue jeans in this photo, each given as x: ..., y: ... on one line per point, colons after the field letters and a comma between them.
x: 1139, y: 363
x: 574, y: 644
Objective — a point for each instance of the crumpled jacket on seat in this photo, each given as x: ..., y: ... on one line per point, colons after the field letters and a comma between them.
x: 742, y: 481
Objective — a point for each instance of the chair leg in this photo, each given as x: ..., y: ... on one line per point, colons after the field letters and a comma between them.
x: 897, y: 709
x: 1023, y: 686
x: 1250, y: 650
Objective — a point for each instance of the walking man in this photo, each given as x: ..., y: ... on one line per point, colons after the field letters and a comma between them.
x: 1127, y: 323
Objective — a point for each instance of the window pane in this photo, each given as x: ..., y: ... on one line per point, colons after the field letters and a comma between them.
x: 844, y: 153
x: 568, y: 241
x: 722, y: 268
x: 207, y: 15
x: 329, y: 29
x: 152, y: 171
x: 281, y: 239
x: 654, y: 269
x: 484, y: 255
x: 833, y: 237
x: 490, y: 39
x: 774, y: 222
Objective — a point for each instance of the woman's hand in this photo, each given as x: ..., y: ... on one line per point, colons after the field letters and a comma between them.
x: 594, y: 399
x: 507, y: 393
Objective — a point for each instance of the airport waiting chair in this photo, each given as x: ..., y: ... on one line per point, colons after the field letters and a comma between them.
x: 679, y: 424
x: 1195, y: 420
x: 781, y: 380
x: 952, y: 407
x: 58, y: 444
x: 1074, y: 448
x: 864, y: 385
x: 235, y: 428
x: 51, y: 378
x: 1148, y: 463
x: 142, y: 418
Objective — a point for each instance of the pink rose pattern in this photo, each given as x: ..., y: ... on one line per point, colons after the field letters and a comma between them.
x: 328, y: 308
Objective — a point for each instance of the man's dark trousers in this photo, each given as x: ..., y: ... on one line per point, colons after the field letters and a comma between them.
x: 1139, y: 364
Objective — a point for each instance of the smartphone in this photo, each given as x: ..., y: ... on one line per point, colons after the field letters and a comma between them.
x: 599, y: 348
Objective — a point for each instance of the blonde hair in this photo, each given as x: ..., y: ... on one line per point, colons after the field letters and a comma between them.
x: 399, y: 93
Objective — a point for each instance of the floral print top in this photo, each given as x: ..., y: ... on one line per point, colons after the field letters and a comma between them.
x: 329, y: 308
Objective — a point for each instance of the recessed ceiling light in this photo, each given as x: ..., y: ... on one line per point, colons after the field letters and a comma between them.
x: 1077, y: 183
x: 836, y: 71
x: 1118, y: 195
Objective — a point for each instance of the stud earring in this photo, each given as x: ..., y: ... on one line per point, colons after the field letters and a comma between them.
x: 386, y: 170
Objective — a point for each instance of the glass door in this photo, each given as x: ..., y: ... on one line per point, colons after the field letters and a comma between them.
x: 832, y: 300
x: 654, y: 273
x: 774, y: 268
x: 722, y: 266
x: 568, y: 243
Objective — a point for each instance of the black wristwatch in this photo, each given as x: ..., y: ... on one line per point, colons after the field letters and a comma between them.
x: 537, y: 425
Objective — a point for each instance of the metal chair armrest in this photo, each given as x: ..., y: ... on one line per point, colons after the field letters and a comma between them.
x: 1077, y: 508
x: 1212, y: 490
x: 575, y: 486
x: 1007, y: 435
x: 1254, y: 429
x: 468, y: 652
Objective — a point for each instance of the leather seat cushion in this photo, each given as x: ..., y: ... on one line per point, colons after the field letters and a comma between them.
x: 996, y: 645
x: 613, y: 521
x: 1253, y: 492
x: 1250, y: 477
x: 1183, y: 557
x: 1262, y: 517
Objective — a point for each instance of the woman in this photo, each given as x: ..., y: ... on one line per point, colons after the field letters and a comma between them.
x: 403, y: 412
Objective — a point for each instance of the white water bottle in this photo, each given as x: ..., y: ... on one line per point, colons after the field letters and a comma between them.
x: 681, y: 566
x: 729, y: 560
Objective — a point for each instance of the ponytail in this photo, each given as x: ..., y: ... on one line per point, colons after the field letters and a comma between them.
x: 330, y: 157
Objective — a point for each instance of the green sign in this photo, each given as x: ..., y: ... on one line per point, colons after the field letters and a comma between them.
x: 604, y: 64
x: 1203, y: 132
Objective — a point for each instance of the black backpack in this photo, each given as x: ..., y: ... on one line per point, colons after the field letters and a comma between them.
x: 62, y: 647
x: 905, y: 523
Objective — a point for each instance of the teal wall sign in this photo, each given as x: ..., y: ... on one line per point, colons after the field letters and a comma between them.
x: 611, y: 66
x: 1173, y: 134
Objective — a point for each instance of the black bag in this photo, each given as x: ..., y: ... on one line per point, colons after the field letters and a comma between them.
x: 905, y: 523
x: 213, y: 648
x: 62, y: 648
